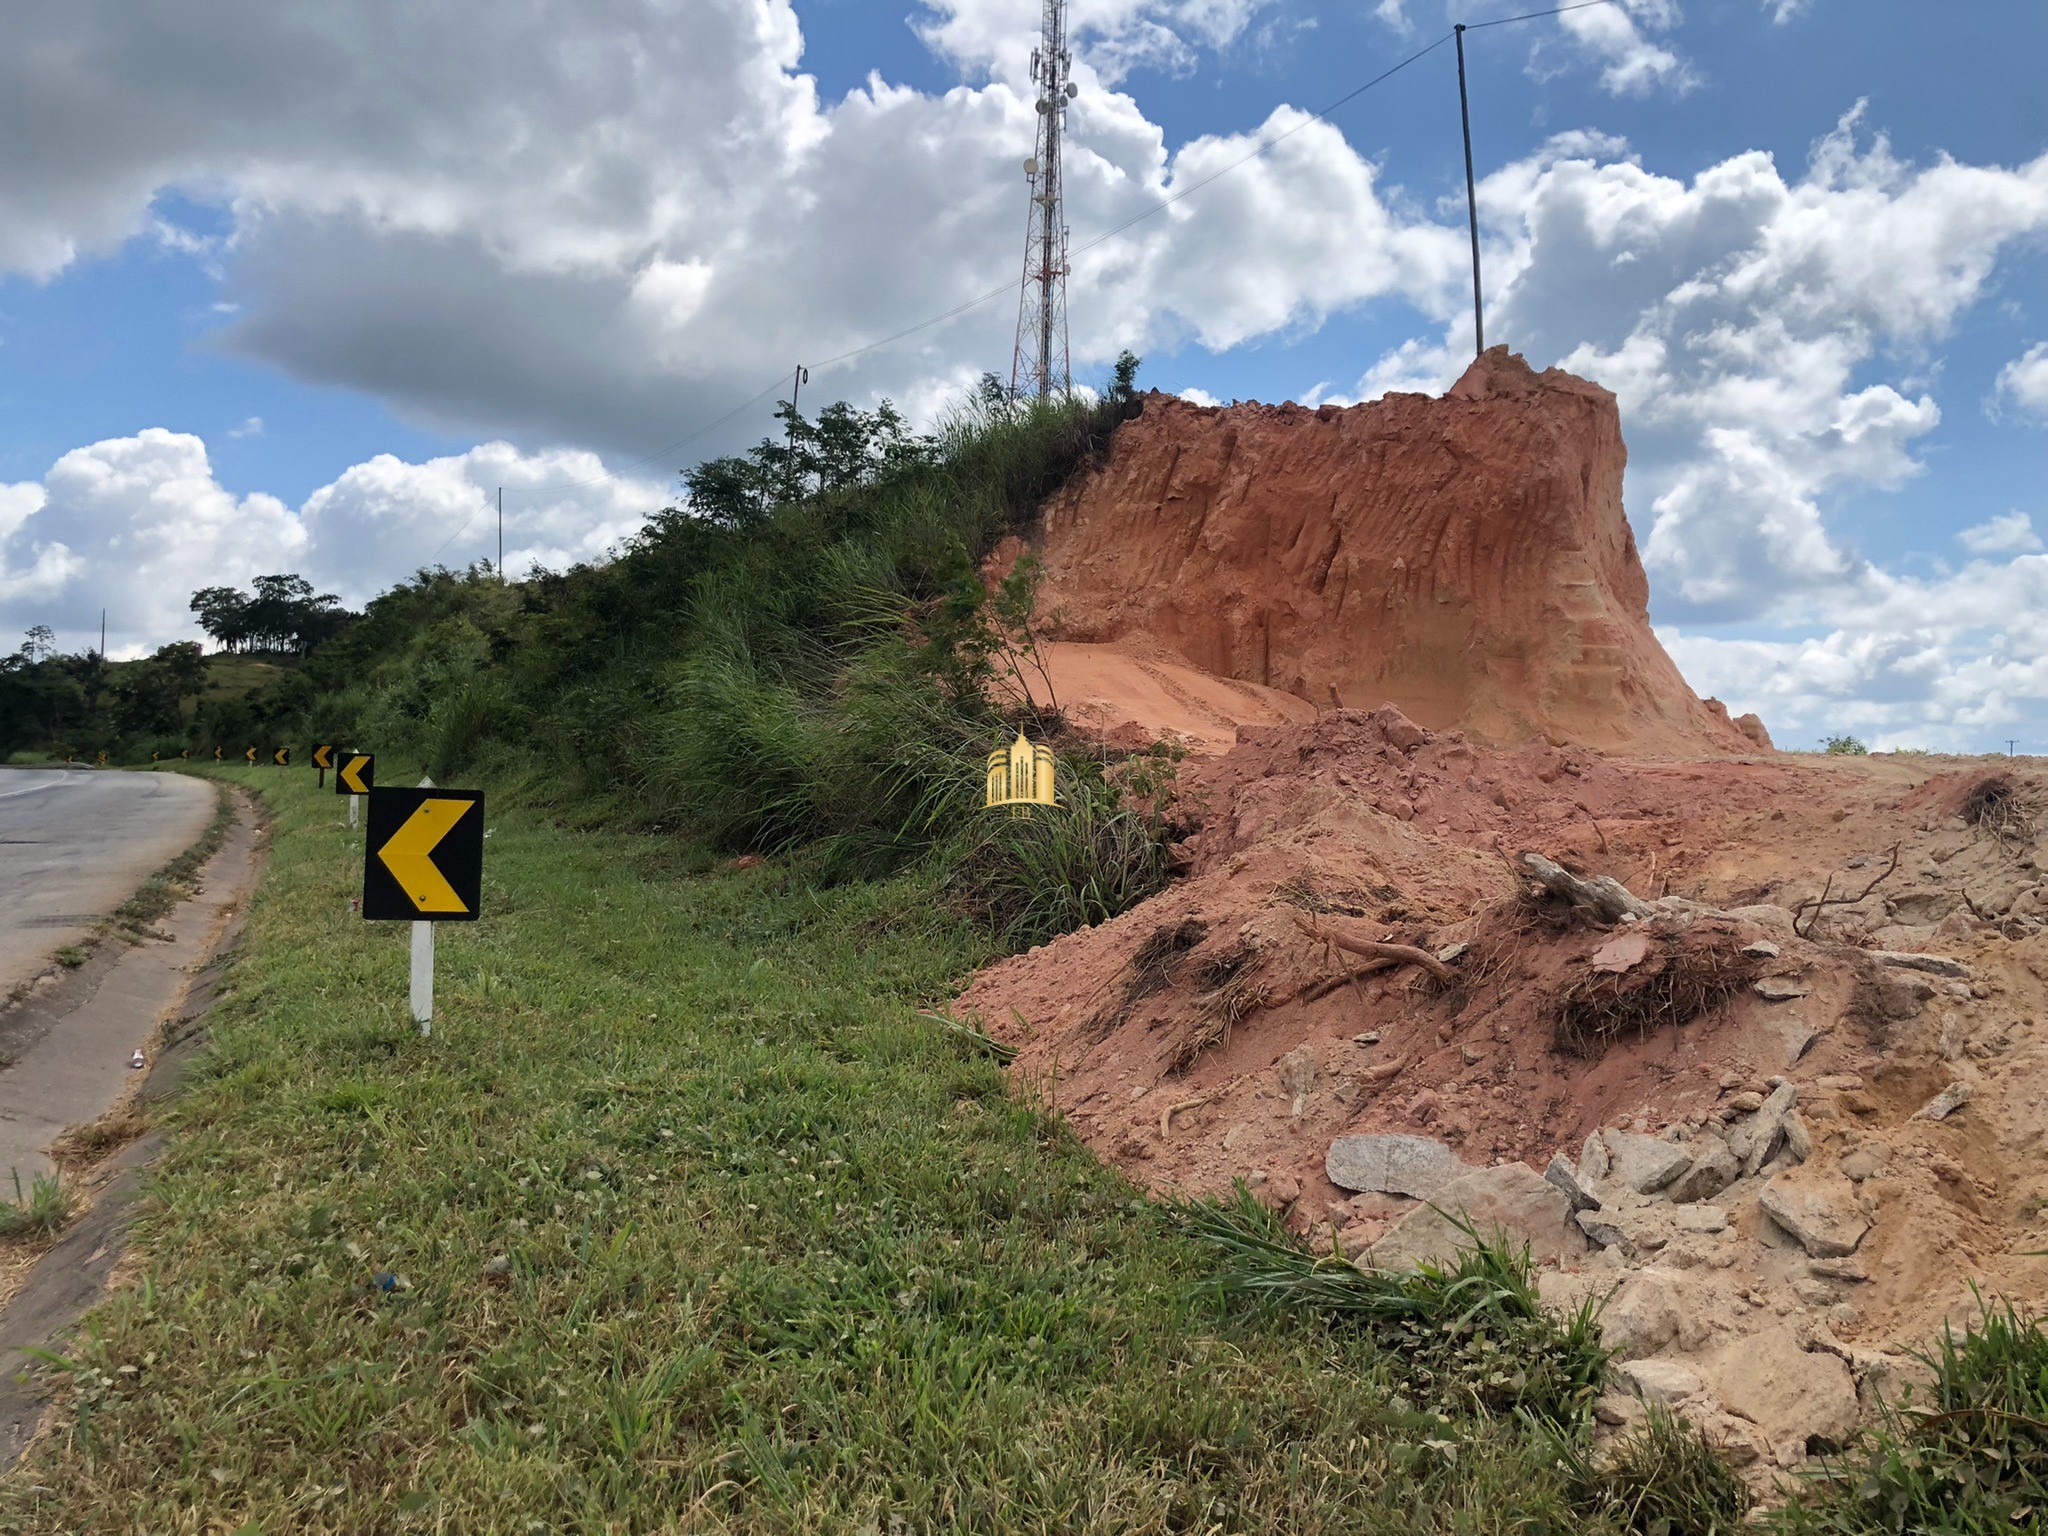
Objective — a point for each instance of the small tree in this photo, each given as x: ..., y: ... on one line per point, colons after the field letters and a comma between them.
x: 1846, y: 746
x: 1123, y: 380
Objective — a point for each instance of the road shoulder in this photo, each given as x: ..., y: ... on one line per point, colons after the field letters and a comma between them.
x: 93, y: 1105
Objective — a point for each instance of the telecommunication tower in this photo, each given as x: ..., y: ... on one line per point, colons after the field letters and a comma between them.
x: 1040, y: 362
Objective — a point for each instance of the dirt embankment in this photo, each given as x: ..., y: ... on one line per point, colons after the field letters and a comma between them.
x: 1785, y: 1139
x: 1770, y: 1026
x: 1465, y: 559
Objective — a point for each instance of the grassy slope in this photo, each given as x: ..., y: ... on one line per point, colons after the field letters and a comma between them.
x: 784, y: 1257
x: 237, y: 676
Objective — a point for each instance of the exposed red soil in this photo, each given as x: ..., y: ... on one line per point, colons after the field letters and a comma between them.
x: 1219, y: 580
x: 1465, y: 559
x: 1420, y: 840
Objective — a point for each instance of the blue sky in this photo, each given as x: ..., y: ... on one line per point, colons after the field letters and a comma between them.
x: 276, y: 303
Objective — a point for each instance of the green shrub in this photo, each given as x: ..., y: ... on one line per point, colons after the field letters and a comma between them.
x: 1048, y: 870
x: 1845, y: 746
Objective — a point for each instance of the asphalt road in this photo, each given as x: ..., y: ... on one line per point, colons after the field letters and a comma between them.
x: 75, y: 843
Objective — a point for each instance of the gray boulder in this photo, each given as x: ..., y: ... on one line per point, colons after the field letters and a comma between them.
x: 1644, y: 1163
x: 1512, y: 1202
x: 1822, y: 1220
x: 1392, y: 1164
x: 1712, y: 1170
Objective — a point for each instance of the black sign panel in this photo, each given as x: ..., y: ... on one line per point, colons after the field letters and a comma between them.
x: 355, y: 773
x: 423, y: 855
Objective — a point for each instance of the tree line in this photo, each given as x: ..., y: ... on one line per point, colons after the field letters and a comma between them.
x: 283, y: 615
x: 82, y: 702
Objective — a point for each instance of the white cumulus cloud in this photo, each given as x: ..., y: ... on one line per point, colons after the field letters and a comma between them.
x: 2010, y: 534
x: 135, y: 525
x: 2023, y: 382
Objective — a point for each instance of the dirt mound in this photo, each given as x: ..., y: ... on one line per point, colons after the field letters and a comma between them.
x: 1465, y: 559
x: 1797, y: 1071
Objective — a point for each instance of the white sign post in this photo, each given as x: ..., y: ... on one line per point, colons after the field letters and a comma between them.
x: 422, y: 961
x: 423, y: 977
x: 352, y: 799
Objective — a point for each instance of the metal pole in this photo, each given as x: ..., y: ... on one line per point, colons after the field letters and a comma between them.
x: 501, y: 533
x: 1471, y: 199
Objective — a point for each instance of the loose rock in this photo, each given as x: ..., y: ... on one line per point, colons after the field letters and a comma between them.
x: 1946, y: 1102
x: 1825, y: 1225
x: 1644, y: 1163
x: 1712, y: 1170
x: 1837, y: 1269
x: 1769, y: 1126
x: 1565, y: 1176
x: 1779, y: 989
x: 1641, y: 1317
x: 1798, y: 1399
x: 1659, y: 1381
x: 1594, y: 1160
x: 1934, y: 965
x: 1512, y: 1200
x: 1416, y: 1166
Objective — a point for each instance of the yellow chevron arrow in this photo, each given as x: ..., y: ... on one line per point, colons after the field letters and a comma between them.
x: 323, y: 756
x: 351, y: 775
x: 409, y: 855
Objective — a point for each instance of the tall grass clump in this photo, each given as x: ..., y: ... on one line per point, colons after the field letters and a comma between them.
x: 1469, y: 1337
x: 38, y: 1211
x: 1053, y: 869
x: 1662, y: 1479
x: 1972, y: 1458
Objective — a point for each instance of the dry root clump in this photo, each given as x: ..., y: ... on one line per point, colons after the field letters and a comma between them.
x: 1152, y: 969
x: 1677, y: 981
x: 1995, y: 805
x: 1227, y: 990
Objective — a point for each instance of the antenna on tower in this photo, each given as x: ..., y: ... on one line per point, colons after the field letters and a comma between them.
x: 1040, y: 362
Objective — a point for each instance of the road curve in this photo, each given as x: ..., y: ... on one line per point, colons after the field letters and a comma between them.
x: 75, y: 843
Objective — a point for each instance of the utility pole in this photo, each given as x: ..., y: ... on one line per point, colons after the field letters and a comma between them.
x: 798, y: 380
x: 103, y: 637
x: 1471, y: 199
x: 1040, y: 359
x: 2009, y: 746
x: 501, y: 534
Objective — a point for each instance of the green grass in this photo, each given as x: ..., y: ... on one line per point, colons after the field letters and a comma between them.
x: 1968, y: 1455
x: 1471, y: 1335
x: 690, y: 1222
x: 37, y: 1211
x: 1661, y: 1479
x: 236, y: 676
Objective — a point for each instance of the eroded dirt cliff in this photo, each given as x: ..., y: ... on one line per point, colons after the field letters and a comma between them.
x: 1465, y: 559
